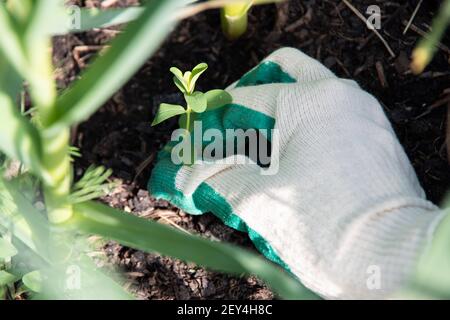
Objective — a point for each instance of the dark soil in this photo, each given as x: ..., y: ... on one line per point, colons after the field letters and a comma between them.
x: 119, y: 135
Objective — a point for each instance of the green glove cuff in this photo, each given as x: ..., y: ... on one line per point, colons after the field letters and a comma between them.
x: 205, y: 199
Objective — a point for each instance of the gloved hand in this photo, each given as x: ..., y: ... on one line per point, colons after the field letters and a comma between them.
x: 342, y: 204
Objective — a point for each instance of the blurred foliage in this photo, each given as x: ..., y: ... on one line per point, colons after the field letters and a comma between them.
x: 427, y: 47
x: 46, y: 217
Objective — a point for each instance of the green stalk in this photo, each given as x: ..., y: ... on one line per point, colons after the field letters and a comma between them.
x: 188, y: 129
x: 56, y: 158
x: 57, y: 162
x: 428, y: 45
x: 234, y: 19
x: 188, y: 119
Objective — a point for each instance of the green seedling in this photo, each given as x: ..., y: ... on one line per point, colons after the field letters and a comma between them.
x: 196, y: 101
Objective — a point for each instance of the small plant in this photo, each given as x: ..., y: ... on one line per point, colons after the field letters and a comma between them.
x: 196, y: 101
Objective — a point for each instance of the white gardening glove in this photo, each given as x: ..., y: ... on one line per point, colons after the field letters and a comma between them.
x: 344, y: 210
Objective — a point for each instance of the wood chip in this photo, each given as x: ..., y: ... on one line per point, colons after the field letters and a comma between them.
x: 381, y: 75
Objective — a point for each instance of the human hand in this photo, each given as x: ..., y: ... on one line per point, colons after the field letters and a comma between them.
x: 339, y: 205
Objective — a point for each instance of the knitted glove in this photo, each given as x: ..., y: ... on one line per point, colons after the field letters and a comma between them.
x: 339, y: 204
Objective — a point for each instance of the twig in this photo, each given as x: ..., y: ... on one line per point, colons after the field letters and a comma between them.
x: 386, y: 23
x: 339, y: 62
x: 161, y: 216
x: 109, y: 32
x: 362, y: 18
x: 412, y: 16
x: 381, y: 75
x: 443, y: 101
x: 304, y: 19
x: 144, y: 164
x: 108, y: 3
x: 84, y: 49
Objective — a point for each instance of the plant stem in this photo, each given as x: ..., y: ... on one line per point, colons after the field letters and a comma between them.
x: 55, y: 143
x: 234, y: 19
x: 187, y: 134
x: 188, y: 119
x: 57, y: 162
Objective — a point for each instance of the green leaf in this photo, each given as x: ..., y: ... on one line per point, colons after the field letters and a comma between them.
x: 428, y: 45
x: 93, y: 176
x: 19, y: 139
x: 79, y: 278
x: 217, y: 98
x: 177, y: 72
x: 179, y: 80
x: 167, y: 111
x: 180, y: 84
x: 26, y: 44
x: 92, y: 185
x: 74, y: 152
x: 111, y: 70
x: 39, y: 23
x: 7, y: 250
x: 6, y: 278
x: 186, y: 79
x: 196, y: 101
x: 25, y: 222
x: 94, y: 18
x: 44, y: 17
x: 195, y: 74
x: 96, y: 218
x: 10, y: 44
x: 33, y: 281
x: 432, y: 271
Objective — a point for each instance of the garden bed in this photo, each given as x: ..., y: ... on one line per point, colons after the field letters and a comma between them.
x: 119, y: 135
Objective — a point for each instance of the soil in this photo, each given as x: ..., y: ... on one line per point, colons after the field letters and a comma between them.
x: 119, y: 135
